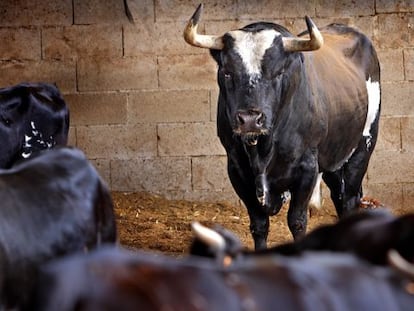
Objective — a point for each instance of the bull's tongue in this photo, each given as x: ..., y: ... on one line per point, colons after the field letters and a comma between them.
x: 252, y: 140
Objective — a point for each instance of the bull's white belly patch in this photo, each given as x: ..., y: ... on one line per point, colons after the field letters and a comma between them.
x: 374, y: 100
x: 252, y: 47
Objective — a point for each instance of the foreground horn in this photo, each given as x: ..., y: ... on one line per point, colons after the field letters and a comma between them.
x: 208, y: 236
x: 400, y: 264
x: 203, y: 41
x: 297, y: 44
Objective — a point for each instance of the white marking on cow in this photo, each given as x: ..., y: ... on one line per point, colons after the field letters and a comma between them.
x: 374, y: 99
x: 27, y: 141
x: 316, y: 199
x: 26, y: 155
x: 251, y: 47
x: 35, y: 141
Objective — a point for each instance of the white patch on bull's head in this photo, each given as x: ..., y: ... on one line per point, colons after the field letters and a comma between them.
x: 374, y: 100
x: 251, y: 46
x: 35, y: 141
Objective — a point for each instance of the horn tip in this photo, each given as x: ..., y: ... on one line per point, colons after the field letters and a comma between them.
x: 196, y: 16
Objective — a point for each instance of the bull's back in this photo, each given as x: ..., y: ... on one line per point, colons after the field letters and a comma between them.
x: 338, y: 74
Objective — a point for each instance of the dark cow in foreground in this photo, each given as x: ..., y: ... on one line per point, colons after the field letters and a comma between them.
x: 52, y: 204
x: 291, y: 108
x: 33, y: 117
x: 369, y: 234
x: 114, y: 279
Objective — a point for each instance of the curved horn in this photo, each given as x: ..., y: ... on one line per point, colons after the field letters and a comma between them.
x: 208, y: 236
x: 203, y: 41
x: 400, y: 264
x: 298, y: 44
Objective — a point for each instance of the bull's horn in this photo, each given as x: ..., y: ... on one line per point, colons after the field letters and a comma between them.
x: 400, y: 264
x: 203, y: 41
x: 298, y: 44
x: 208, y: 236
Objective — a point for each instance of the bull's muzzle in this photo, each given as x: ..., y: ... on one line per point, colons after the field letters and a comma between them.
x: 250, y: 124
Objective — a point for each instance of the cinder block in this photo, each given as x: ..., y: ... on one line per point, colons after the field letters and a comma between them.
x: 106, y: 74
x: 407, y: 133
x: 268, y: 9
x: 409, y: 64
x: 139, y: 39
x: 103, y: 168
x: 117, y: 142
x: 345, y: 8
x: 97, y: 108
x: 141, y: 11
x: 391, y: 195
x: 187, y: 72
x: 188, y: 139
x: 389, y: 137
x: 162, y: 38
x: 392, y: 65
x: 35, y: 12
x: 85, y: 40
x: 167, y: 10
x: 220, y: 27
x: 168, y: 106
x: 397, y: 98
x: 394, y: 30
x: 392, y: 6
x: 61, y: 73
x: 214, y: 95
x: 408, y: 197
x: 20, y: 43
x: 391, y: 167
x: 99, y: 12
x: 72, y: 136
x: 210, y: 173
x: 153, y: 175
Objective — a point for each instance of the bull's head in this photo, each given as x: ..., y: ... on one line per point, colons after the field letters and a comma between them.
x: 254, y: 65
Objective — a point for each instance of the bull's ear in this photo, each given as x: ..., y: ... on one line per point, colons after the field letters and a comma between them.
x: 216, y: 55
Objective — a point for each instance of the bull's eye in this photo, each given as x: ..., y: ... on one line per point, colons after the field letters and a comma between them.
x: 227, y: 76
x: 5, y: 121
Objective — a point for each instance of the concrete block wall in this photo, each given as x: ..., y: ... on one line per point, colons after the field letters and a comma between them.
x: 143, y: 103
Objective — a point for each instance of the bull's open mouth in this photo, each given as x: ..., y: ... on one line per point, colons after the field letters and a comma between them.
x: 251, y: 138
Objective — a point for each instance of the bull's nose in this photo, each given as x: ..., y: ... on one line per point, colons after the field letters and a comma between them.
x: 250, y: 121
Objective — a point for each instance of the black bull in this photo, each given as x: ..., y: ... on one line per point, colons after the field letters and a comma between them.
x: 112, y: 279
x: 52, y: 204
x: 33, y: 117
x: 290, y: 108
x: 369, y: 235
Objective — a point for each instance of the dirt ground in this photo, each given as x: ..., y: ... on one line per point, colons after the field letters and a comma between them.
x: 153, y: 223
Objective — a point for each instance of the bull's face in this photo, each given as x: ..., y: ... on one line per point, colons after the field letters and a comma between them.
x: 254, y: 63
x: 11, y: 130
x: 250, y: 75
x: 33, y: 117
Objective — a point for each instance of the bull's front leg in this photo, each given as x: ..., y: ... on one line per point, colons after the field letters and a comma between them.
x: 301, y: 194
x: 259, y: 227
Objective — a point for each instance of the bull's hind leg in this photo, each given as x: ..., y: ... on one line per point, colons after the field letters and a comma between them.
x: 345, y: 184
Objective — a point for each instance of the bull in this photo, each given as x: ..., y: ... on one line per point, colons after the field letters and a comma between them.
x: 33, y: 117
x: 52, y: 204
x: 370, y: 235
x: 115, y: 279
x: 291, y: 108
